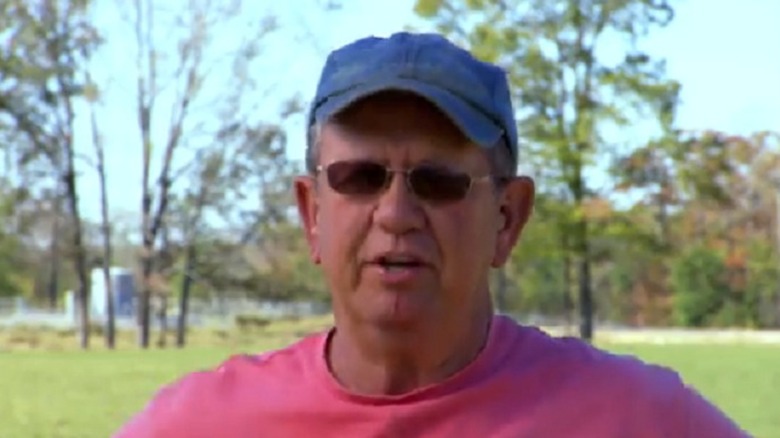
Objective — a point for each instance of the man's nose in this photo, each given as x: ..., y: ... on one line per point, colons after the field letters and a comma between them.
x: 398, y: 210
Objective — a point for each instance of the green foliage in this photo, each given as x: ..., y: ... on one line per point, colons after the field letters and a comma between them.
x: 762, y: 294
x: 9, y: 250
x: 8, y: 285
x: 700, y: 286
x: 630, y: 259
x: 233, y: 202
x: 428, y: 8
x: 701, y: 157
x: 567, y: 96
x: 536, y: 267
x: 48, y: 46
x: 251, y: 322
x: 13, y: 270
x: 9, y: 281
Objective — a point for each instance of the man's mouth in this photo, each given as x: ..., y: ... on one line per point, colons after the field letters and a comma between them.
x: 398, y: 262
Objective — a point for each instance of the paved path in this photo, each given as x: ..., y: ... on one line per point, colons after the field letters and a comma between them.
x: 678, y: 336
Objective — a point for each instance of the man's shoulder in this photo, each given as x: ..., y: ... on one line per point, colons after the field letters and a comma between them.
x: 578, y: 362
x: 266, y: 368
x: 658, y: 396
x: 646, y: 395
x: 203, y: 399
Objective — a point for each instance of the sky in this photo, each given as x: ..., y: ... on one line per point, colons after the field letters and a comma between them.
x: 725, y: 53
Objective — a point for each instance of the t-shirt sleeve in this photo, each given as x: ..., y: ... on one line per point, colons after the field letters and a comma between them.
x: 703, y: 418
x: 197, y: 404
x: 143, y: 424
x: 155, y: 419
x: 675, y: 407
x: 178, y: 409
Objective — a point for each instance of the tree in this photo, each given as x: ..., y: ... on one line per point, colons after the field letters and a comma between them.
x: 195, y: 202
x: 105, y: 222
x: 192, y: 67
x: 712, y: 190
x: 11, y: 246
x: 729, y: 183
x: 244, y: 181
x: 568, y: 95
x: 42, y: 76
x: 701, y: 289
x: 763, y: 285
x: 539, y: 270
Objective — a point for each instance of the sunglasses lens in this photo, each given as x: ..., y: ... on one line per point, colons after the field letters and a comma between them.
x: 356, y: 177
x: 364, y: 178
x: 439, y: 184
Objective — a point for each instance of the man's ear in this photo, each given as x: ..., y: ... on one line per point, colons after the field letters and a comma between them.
x: 516, y: 205
x: 308, y: 212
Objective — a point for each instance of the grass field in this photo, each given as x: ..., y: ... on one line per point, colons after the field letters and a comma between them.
x: 51, y: 394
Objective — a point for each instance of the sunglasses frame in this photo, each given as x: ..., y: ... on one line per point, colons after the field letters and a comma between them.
x: 407, y: 174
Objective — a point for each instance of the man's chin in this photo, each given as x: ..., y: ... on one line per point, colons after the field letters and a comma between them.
x: 401, y: 317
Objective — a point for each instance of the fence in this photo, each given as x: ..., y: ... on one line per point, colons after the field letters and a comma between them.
x: 201, y: 313
x: 223, y: 312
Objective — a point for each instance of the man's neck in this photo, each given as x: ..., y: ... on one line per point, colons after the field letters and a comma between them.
x: 398, y: 363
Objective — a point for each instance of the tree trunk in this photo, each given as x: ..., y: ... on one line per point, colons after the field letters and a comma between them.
x: 581, y: 246
x: 585, y: 293
x: 80, y: 259
x: 568, y: 303
x: 663, y: 206
x: 80, y: 262
x: 110, y: 311
x: 162, y: 317
x: 54, y: 254
x: 144, y: 299
x: 189, y: 264
x: 564, y: 230
x: 147, y: 252
x: 777, y: 253
x: 181, y: 326
x: 147, y: 75
x: 106, y: 231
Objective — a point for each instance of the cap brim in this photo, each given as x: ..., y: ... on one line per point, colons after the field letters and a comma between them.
x: 473, y: 123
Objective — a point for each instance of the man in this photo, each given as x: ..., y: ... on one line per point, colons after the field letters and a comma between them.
x: 412, y: 196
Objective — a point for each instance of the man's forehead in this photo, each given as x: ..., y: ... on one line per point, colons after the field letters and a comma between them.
x: 410, y: 146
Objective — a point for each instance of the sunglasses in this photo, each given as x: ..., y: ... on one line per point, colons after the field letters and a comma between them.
x: 427, y: 182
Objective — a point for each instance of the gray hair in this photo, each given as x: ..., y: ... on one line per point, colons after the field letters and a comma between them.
x: 502, y: 163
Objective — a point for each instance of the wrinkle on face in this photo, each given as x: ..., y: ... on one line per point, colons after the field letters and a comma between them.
x: 402, y: 336
x: 459, y: 238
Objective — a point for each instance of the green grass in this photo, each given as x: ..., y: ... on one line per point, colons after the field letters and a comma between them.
x: 49, y: 389
x: 75, y: 394
x: 52, y: 394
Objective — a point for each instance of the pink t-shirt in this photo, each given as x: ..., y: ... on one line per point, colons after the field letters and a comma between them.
x: 523, y: 384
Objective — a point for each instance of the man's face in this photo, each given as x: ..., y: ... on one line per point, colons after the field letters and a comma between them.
x: 395, y: 258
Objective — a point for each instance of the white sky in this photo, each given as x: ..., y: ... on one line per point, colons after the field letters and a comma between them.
x: 726, y: 54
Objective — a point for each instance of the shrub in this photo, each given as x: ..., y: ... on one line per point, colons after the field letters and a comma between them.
x: 700, y: 286
x: 251, y: 322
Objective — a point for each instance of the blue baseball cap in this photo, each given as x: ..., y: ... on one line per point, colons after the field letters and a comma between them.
x: 474, y: 94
